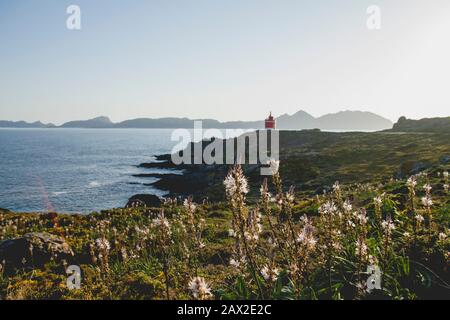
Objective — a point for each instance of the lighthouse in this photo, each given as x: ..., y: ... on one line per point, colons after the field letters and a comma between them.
x: 270, y: 122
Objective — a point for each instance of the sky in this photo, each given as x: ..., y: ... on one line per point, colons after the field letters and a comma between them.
x: 222, y: 59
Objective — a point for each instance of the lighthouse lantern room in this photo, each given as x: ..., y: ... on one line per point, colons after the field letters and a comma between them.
x: 270, y: 122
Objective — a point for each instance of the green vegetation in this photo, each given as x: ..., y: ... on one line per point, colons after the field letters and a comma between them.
x: 286, y: 246
x: 422, y: 125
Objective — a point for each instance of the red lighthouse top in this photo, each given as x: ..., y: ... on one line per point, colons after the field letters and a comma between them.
x: 270, y: 122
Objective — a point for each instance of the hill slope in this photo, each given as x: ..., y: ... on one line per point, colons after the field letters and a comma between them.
x: 422, y: 125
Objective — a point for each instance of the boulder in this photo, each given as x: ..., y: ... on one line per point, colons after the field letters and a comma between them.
x: 33, y: 250
x: 445, y: 159
x: 409, y: 168
x: 144, y: 200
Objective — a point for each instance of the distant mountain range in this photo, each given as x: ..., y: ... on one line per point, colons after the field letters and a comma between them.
x: 344, y: 120
x: 23, y: 124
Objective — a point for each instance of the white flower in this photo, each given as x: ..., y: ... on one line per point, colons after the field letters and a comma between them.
x: 307, y: 239
x: 231, y: 233
x: 328, y: 208
x: 427, y: 202
x: 427, y: 188
x: 264, y: 193
x: 199, y: 288
x: 189, y: 205
x: 274, y: 165
x: 347, y: 206
x: 412, y: 182
x: 442, y: 236
x: 388, y: 225
x: 270, y: 274
x: 445, y: 174
x: 234, y: 263
x: 362, y: 218
x: 290, y: 197
x: 378, y: 201
x: 161, y: 221
x: 336, y: 186
x: 235, y: 180
x: 419, y: 218
x: 103, y: 244
x: 123, y: 252
x: 361, y: 248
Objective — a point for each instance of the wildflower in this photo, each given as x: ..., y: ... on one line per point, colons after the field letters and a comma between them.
x: 373, y: 260
x: 361, y: 286
x: 378, y: 201
x: 388, y: 225
x: 235, y: 182
x: 328, y: 208
x: 445, y: 187
x: 189, y: 205
x: 123, y: 252
x: 293, y: 268
x: 347, y: 206
x: 442, y: 236
x: 290, y: 196
x: 445, y: 174
x: 199, y: 288
x: 308, y: 240
x: 336, y: 186
x: 361, y: 248
x: 161, y: 221
x: 427, y: 202
x: 274, y: 165
x: 254, y: 225
x: 270, y: 274
x: 411, y: 182
x: 234, y: 263
x: 264, y: 192
x: 238, y: 263
x: 427, y: 188
x: 306, y: 236
x: 103, y: 244
x: 362, y: 218
x: 232, y: 233
x: 419, y: 218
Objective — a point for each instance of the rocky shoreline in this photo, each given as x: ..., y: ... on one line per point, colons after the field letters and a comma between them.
x: 195, y: 180
x: 311, y: 161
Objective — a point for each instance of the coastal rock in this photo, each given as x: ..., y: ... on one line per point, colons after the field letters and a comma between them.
x: 147, y: 200
x: 33, y: 250
x: 445, y: 159
x: 409, y: 168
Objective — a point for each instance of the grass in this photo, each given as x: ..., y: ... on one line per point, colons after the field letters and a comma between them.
x: 151, y: 256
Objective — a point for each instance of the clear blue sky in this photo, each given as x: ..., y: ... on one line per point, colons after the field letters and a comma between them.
x: 224, y: 59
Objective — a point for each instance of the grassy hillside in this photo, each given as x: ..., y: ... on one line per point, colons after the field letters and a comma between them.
x: 314, y: 160
x: 422, y: 125
x: 289, y: 247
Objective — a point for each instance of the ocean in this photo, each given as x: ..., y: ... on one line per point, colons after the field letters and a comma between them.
x: 77, y: 170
